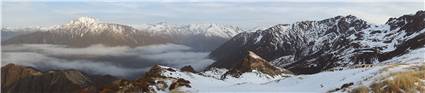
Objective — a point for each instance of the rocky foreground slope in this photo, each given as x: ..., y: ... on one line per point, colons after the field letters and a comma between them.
x: 22, y: 79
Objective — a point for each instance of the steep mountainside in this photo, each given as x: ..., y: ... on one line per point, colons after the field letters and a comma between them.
x: 313, y: 46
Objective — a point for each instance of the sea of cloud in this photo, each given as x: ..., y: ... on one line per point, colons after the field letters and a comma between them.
x: 120, y: 61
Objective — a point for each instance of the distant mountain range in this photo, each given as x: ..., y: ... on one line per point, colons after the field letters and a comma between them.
x: 86, y: 31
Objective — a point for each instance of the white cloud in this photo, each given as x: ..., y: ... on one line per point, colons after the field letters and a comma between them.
x: 44, y: 62
x: 98, y: 50
x: 98, y: 59
x: 161, y: 48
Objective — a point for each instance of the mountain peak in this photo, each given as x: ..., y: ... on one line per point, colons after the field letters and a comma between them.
x: 87, y: 19
x: 84, y: 20
x: 410, y: 23
x: 82, y: 25
x: 347, y: 18
x: 253, y: 62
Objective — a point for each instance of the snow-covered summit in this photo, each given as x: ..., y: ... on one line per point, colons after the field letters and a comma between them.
x: 84, y: 25
x: 83, y: 20
x: 209, y: 30
x: 214, y: 30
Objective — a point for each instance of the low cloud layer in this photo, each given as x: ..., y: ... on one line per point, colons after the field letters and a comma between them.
x: 119, y: 61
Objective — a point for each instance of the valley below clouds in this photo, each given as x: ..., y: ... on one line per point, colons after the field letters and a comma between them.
x: 120, y: 61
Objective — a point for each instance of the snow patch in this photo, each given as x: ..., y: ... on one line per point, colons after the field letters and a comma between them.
x: 253, y: 55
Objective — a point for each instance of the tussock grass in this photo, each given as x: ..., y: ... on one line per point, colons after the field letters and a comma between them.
x: 403, y: 82
x: 389, y: 67
x: 360, y: 89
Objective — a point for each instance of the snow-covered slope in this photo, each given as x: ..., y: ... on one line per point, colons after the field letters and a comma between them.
x: 336, y: 80
x: 203, y: 82
x: 328, y: 81
x: 312, y: 46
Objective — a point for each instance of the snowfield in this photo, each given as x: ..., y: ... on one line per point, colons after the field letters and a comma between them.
x: 327, y: 81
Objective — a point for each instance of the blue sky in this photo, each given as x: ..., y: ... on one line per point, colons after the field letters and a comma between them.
x: 17, y: 13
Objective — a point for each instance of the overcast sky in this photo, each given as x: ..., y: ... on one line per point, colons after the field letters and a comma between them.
x: 244, y: 13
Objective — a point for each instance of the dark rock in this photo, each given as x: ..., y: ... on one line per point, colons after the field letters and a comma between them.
x: 179, y: 83
x: 187, y: 69
x: 346, y: 85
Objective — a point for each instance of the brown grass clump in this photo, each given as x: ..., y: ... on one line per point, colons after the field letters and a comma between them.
x: 402, y: 82
x: 360, y: 89
x: 407, y: 82
x: 377, y: 87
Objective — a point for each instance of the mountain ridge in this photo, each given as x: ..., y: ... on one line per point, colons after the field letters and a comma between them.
x: 309, y: 47
x: 85, y: 31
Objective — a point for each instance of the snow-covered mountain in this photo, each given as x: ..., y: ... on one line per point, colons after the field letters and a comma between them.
x: 86, y: 31
x: 208, y: 36
x: 313, y: 46
x: 208, y: 30
x: 84, y: 25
